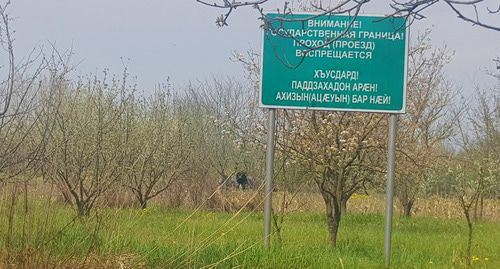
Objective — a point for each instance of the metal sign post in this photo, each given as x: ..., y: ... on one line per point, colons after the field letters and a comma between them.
x: 269, y: 175
x: 391, y: 157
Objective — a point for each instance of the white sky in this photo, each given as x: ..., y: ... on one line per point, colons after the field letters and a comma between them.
x: 179, y: 38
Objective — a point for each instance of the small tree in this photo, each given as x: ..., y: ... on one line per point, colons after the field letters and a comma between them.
x: 156, y: 149
x: 475, y: 172
x: 339, y: 150
x: 85, y: 152
x: 470, y: 179
x: 426, y: 125
x: 220, y: 119
x: 289, y: 177
x: 20, y: 110
x: 485, y: 135
x: 334, y: 146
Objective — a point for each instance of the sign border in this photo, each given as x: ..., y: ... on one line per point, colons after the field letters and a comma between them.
x: 405, y: 72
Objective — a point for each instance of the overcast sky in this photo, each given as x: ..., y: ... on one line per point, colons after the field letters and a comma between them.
x: 179, y: 38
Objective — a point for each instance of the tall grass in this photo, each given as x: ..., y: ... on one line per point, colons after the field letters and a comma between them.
x: 152, y: 238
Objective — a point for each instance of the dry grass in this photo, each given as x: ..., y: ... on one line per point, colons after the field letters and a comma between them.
x: 231, y: 200
x: 433, y: 206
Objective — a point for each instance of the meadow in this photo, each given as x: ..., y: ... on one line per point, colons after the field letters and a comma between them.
x: 46, y: 234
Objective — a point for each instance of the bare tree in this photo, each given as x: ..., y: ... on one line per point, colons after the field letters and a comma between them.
x: 427, y: 122
x: 470, y: 179
x: 85, y: 151
x: 156, y: 149
x: 476, y: 12
x: 225, y: 111
x: 482, y: 141
x: 474, y: 171
x: 22, y: 134
x: 7, y: 41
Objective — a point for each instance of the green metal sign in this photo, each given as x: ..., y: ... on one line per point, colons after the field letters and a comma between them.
x: 334, y: 63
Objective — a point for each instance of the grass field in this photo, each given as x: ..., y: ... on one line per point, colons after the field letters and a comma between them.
x: 166, y: 238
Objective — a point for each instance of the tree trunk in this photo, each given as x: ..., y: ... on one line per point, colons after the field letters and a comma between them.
x: 333, y: 228
x: 481, y: 207
x: 469, y: 239
x: 333, y: 216
x: 343, y: 206
x: 83, y: 209
x: 277, y: 224
x: 144, y: 203
x: 407, y: 207
x: 475, y: 209
x: 406, y: 200
x: 142, y: 199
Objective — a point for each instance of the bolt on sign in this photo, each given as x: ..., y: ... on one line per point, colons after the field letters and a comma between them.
x: 334, y: 63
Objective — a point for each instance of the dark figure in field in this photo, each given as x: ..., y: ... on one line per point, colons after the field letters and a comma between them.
x: 242, y: 180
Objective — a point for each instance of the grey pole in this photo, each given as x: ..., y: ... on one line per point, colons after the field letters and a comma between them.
x: 391, y: 157
x: 269, y: 175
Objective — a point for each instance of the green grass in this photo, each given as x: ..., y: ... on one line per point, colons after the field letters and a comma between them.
x: 167, y: 238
